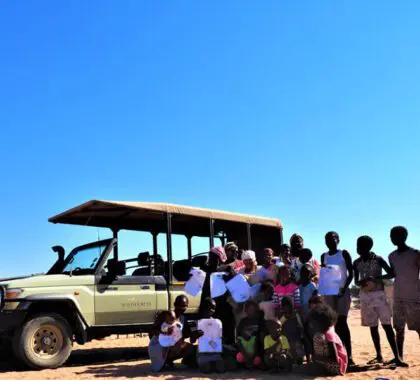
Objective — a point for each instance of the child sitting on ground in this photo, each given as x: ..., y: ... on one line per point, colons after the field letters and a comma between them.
x: 170, y: 330
x: 248, y: 337
x: 277, y: 354
x: 294, y: 331
x: 330, y: 355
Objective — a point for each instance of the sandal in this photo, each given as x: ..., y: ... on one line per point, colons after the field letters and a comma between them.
x: 375, y: 361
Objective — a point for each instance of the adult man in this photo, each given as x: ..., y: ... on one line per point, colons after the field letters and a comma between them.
x: 405, y: 262
x: 374, y: 305
x: 342, y: 301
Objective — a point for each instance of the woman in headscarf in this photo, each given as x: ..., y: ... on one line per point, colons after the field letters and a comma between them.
x: 250, y: 267
x: 232, y: 252
x: 250, y: 263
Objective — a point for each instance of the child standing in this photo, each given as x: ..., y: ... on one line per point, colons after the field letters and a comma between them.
x: 373, y: 303
x: 329, y: 352
x: 306, y: 257
x: 285, y: 288
x: 209, y: 355
x: 341, y: 302
x: 248, y: 337
x: 307, y: 289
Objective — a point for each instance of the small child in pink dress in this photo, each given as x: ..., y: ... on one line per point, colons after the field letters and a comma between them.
x: 329, y: 352
x: 286, y: 288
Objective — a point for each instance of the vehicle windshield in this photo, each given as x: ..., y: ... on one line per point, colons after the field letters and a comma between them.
x: 85, y: 259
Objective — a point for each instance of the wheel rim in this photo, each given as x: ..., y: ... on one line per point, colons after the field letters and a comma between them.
x: 47, y: 341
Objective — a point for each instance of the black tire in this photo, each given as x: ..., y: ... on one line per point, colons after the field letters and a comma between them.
x: 6, y: 349
x: 45, y: 341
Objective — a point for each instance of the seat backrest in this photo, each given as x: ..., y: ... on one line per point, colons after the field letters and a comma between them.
x: 117, y: 268
x: 199, y: 261
x: 181, y: 270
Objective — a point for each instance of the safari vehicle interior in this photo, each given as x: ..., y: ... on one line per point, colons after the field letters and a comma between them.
x: 250, y: 232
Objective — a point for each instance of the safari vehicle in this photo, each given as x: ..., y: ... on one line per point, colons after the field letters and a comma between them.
x: 89, y: 295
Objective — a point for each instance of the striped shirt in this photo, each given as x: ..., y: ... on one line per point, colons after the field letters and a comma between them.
x: 290, y: 290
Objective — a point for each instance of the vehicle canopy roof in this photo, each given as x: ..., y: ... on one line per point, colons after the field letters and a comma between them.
x: 152, y: 217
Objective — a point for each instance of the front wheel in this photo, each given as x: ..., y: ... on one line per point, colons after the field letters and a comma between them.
x: 44, y: 342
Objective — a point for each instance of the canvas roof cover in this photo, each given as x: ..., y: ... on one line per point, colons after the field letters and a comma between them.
x: 145, y: 216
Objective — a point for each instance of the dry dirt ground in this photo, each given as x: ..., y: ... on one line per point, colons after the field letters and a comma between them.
x: 127, y: 359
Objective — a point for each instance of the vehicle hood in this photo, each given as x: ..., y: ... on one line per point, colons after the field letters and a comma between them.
x: 52, y: 280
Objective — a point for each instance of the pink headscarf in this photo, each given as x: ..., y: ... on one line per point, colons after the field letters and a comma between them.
x: 219, y: 251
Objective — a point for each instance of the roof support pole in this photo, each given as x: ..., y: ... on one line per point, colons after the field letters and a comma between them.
x: 115, y: 236
x: 169, y: 245
x: 155, y: 245
x: 281, y: 236
x: 211, y: 233
x: 189, y: 247
x: 248, y: 228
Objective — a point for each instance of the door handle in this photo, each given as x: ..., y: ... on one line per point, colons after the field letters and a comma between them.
x: 111, y: 288
x: 144, y: 287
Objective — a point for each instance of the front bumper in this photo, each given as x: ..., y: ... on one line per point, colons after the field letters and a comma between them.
x: 11, y: 319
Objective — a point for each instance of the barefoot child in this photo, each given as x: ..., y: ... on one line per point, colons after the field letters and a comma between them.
x: 329, y: 352
x: 276, y: 348
x: 405, y: 262
x: 373, y: 303
x: 209, y: 355
x: 248, y: 337
x: 293, y: 329
x: 341, y: 302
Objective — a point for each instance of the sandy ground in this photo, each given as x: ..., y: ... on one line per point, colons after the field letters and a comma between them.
x: 127, y: 359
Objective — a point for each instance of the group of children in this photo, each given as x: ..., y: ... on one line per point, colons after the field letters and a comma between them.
x: 287, y: 322
x: 290, y: 324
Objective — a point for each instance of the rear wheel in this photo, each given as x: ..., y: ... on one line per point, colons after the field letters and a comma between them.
x: 45, y: 341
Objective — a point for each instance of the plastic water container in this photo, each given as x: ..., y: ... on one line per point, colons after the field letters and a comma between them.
x: 329, y: 280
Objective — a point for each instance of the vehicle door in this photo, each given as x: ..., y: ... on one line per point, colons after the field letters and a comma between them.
x: 128, y: 300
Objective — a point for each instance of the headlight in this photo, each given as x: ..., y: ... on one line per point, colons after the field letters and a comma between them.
x: 11, y: 294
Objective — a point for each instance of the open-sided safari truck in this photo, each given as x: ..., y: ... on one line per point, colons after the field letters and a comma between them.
x: 88, y: 294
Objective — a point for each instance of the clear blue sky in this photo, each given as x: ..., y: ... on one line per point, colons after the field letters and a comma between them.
x: 306, y: 111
